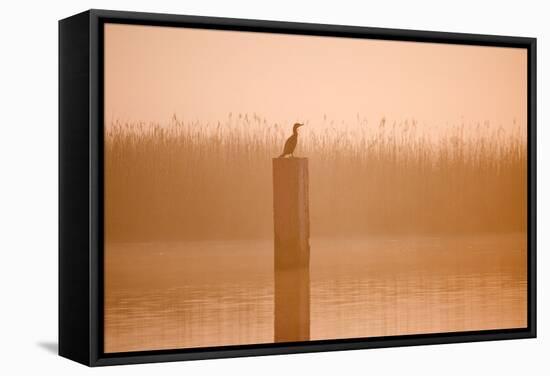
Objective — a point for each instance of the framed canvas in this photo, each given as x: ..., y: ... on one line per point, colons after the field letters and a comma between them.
x: 235, y: 187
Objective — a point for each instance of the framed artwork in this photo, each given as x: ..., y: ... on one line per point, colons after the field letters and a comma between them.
x: 236, y: 187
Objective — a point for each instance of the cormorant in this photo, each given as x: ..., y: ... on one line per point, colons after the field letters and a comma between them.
x: 291, y: 142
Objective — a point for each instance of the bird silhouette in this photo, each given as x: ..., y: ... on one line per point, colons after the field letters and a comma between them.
x: 291, y: 142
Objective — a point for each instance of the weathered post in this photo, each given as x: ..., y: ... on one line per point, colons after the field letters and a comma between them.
x: 291, y: 224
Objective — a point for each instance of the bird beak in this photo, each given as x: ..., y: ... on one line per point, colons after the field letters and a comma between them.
x: 300, y: 125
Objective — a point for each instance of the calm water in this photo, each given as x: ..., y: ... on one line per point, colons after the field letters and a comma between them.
x: 174, y: 295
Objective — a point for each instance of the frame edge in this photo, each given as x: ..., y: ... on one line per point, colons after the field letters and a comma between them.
x: 73, y: 253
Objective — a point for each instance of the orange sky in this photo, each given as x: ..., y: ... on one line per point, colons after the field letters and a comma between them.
x: 153, y: 72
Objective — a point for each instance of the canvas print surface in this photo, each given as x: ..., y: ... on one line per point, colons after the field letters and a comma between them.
x: 265, y: 188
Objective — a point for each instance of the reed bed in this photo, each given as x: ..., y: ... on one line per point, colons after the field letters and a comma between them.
x: 188, y: 180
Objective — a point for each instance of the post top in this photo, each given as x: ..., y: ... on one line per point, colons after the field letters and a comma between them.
x: 295, y: 159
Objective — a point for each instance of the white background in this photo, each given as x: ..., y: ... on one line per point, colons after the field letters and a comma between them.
x: 28, y: 185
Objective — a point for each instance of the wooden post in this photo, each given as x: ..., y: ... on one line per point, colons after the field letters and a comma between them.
x: 291, y: 225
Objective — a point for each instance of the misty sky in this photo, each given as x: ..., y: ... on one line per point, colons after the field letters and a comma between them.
x: 154, y: 72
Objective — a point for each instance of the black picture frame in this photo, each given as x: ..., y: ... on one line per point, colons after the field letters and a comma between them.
x: 81, y: 186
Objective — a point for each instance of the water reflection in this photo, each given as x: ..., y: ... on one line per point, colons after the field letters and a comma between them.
x: 163, y: 296
x: 190, y: 316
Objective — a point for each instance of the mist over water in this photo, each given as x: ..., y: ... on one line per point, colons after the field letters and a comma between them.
x: 196, y: 294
